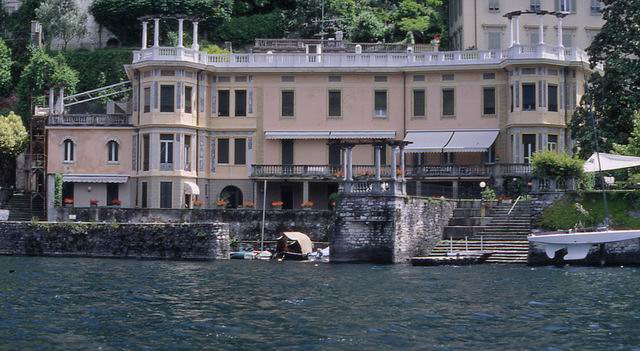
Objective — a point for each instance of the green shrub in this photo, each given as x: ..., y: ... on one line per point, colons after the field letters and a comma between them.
x: 556, y: 165
x: 488, y: 194
x: 247, y: 28
x: 99, y: 68
x: 57, y: 190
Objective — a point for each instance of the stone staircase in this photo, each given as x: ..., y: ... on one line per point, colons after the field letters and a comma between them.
x: 503, y: 233
x: 19, y: 207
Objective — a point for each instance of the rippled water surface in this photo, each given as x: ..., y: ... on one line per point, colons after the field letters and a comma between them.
x: 90, y: 304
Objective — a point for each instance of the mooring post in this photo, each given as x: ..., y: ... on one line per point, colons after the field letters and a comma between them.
x: 466, y: 243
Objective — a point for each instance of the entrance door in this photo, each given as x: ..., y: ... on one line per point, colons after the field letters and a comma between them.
x: 287, y: 156
x: 112, y: 193
x: 187, y: 201
x: 286, y: 196
x: 528, y: 146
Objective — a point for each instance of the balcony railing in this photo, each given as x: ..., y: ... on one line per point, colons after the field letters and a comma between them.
x: 89, y: 120
x: 339, y: 60
x: 368, y: 171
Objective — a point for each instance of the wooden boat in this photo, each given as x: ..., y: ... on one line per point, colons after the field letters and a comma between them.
x: 293, y: 246
x: 578, y: 244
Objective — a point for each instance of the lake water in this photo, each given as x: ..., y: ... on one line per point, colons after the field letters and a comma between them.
x: 92, y: 304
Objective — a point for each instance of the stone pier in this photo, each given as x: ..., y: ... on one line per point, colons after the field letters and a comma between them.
x: 387, y: 228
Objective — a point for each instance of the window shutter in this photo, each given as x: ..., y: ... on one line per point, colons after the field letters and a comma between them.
x: 574, y: 7
x: 134, y: 153
x: 179, y: 95
x: 201, y: 146
x: 156, y: 96
x: 201, y: 90
x: 212, y: 143
x: 214, y: 97
x: 517, y: 86
x: 250, y: 96
x: 557, y: 5
x: 540, y: 86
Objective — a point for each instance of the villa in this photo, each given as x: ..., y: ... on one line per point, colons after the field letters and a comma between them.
x: 299, y: 116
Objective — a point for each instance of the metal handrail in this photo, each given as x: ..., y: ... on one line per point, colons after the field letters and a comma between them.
x: 514, y: 205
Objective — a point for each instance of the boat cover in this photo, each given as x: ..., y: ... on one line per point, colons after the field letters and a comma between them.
x: 303, y: 240
x: 610, y: 162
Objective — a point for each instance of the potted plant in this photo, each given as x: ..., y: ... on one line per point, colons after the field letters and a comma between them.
x: 307, y: 205
x: 399, y: 172
x: 68, y: 202
x: 93, y: 203
x: 197, y: 203
x: 277, y: 204
x: 116, y: 202
x: 248, y: 204
x: 222, y: 203
x: 338, y: 174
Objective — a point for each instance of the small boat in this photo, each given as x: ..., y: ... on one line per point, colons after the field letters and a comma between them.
x: 320, y: 255
x: 293, y: 246
x: 264, y: 255
x: 578, y: 244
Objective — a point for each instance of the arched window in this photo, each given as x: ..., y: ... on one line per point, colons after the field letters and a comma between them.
x: 233, y: 195
x: 69, y: 151
x: 112, y: 148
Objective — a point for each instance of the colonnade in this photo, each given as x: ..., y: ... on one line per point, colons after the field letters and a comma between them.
x: 156, y: 33
x: 514, y: 26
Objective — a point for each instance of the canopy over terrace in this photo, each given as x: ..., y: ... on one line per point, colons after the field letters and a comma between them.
x: 609, y: 162
x: 450, y: 140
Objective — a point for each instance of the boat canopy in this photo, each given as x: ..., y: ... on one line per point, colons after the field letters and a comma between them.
x: 295, y: 242
x: 610, y: 162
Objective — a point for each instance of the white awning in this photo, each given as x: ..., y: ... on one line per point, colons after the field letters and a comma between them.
x: 610, y: 162
x: 340, y: 134
x: 471, y: 141
x: 95, y: 178
x: 191, y: 188
x: 428, y: 141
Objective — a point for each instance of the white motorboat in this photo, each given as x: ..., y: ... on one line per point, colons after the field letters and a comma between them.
x: 578, y: 244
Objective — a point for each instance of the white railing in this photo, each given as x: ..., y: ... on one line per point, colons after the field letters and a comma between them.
x: 284, y: 60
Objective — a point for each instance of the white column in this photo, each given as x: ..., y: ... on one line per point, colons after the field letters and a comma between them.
x: 350, y: 163
x: 144, y: 34
x: 377, y: 161
x: 394, y: 162
x: 402, y: 162
x: 61, y: 101
x: 195, y: 45
x: 541, y: 28
x: 510, y: 31
x: 345, y: 157
x: 560, y: 40
x: 52, y: 99
x: 156, y: 32
x: 305, y: 191
x: 517, y: 25
x: 180, y: 31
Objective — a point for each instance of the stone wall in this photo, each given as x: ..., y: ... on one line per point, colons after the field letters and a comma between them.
x: 153, y: 241
x: 387, y: 228
x: 541, y: 203
x: 621, y: 253
x: 244, y: 224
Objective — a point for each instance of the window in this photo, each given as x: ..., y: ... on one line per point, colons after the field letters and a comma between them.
x: 112, y: 193
x: 534, y: 5
x: 418, y: 78
x: 187, y: 152
x: 287, y: 101
x: 419, y: 103
x: 166, y: 151
x: 288, y: 79
x: 567, y: 39
x: 448, y: 77
x: 489, y: 101
x: 529, y: 96
x: 488, y: 76
x: 240, y: 154
x: 380, y: 79
x: 145, y: 152
x: 380, y: 103
x: 552, y: 92
x: 167, y: 73
x: 335, y: 103
x: 534, y: 37
x: 494, y: 39
x: 188, y: 92
x: 596, y: 7
x: 512, y: 99
x: 566, y: 6
x: 335, y: 79
x: 112, y: 150
x: 223, y: 103
x: 552, y: 142
x: 241, y: 103
x: 223, y: 151
x: 165, y: 195
x: 334, y: 154
x: 167, y: 98
x: 224, y: 79
x: 145, y: 195
x: 147, y: 100
x: 528, y: 146
x: 448, y: 102
x: 494, y: 5
x: 448, y: 158
x: 287, y: 152
x: 69, y: 151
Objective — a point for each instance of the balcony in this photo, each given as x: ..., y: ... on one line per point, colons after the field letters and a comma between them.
x: 96, y: 120
x: 355, y: 60
x: 411, y: 172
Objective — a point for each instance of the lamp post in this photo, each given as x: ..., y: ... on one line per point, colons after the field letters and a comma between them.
x: 482, y: 208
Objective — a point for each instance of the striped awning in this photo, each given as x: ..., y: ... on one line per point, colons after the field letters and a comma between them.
x: 338, y: 134
x: 95, y: 178
x: 451, y: 140
x: 191, y: 188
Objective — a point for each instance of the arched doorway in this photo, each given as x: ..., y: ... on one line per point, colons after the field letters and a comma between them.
x: 233, y: 195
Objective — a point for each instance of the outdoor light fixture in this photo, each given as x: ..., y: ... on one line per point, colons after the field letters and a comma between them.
x: 483, y: 185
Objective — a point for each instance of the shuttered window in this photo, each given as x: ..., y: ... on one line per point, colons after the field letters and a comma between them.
x: 419, y: 105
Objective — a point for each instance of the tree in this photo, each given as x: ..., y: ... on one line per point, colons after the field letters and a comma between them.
x: 632, y: 148
x: 367, y: 28
x: 13, y: 139
x: 615, y: 96
x: 417, y: 17
x: 41, y: 73
x: 62, y: 19
x: 5, y: 69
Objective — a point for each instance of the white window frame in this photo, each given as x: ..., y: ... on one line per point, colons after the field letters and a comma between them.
x: 113, y: 152
x: 68, y: 151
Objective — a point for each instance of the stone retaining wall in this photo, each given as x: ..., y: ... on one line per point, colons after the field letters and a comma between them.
x: 244, y: 224
x: 387, y: 228
x: 208, y: 241
x: 621, y: 253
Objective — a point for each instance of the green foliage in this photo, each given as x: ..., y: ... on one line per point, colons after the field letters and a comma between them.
x: 632, y: 148
x: 564, y: 214
x: 554, y: 165
x: 416, y: 17
x: 615, y: 96
x: 488, y: 194
x: 587, y: 181
x: 41, y: 73
x: 367, y: 28
x: 100, y: 67
x: 62, y: 19
x: 57, y: 190
x: 245, y: 29
x: 514, y: 187
x: 13, y: 135
x: 5, y: 69
x: 214, y: 49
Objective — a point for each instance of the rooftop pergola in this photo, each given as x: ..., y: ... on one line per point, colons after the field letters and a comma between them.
x: 156, y: 29
x: 514, y: 21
